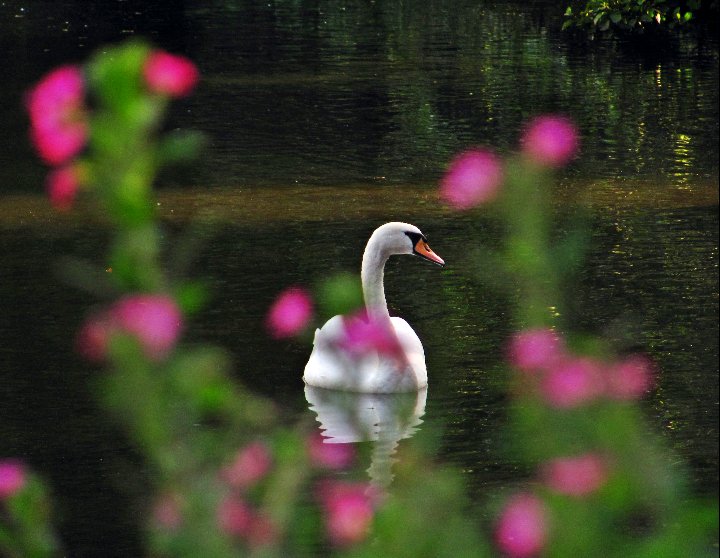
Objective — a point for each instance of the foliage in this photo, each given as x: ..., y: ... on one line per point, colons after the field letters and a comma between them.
x: 633, y: 16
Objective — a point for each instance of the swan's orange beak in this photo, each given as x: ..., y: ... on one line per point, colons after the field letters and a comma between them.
x: 424, y: 251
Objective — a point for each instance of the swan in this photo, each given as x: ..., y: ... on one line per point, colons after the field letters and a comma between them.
x: 331, y: 366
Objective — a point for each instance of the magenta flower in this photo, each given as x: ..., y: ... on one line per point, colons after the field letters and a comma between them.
x: 57, y: 116
x: 249, y: 466
x: 62, y: 185
x: 154, y: 320
x: 13, y: 477
x: 234, y: 516
x: 472, y: 178
x: 290, y: 313
x: 363, y: 335
x: 572, y: 383
x: 535, y: 349
x: 329, y: 455
x: 631, y: 378
x: 522, y: 527
x: 576, y: 476
x: 349, y: 510
x: 170, y: 74
x: 550, y: 140
x: 167, y: 512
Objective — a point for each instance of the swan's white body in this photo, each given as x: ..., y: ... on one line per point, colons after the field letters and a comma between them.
x: 331, y: 366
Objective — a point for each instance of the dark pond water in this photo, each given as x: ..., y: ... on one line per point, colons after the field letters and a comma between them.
x: 324, y: 120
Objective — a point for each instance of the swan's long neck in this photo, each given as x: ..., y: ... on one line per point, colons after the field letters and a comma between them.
x: 373, y: 264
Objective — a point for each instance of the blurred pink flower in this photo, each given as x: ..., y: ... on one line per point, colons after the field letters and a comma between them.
x: 250, y: 465
x: 572, y: 383
x: 472, y: 178
x: 13, y: 477
x: 630, y: 378
x: 170, y: 74
x: 57, y: 117
x: 329, y: 455
x: 234, y: 516
x: 290, y: 313
x: 154, y: 320
x: 362, y: 334
x: 522, y: 527
x: 62, y: 185
x: 349, y: 510
x: 535, y: 349
x: 576, y: 476
x: 550, y: 140
x: 167, y: 513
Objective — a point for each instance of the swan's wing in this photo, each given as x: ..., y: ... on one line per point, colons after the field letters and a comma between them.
x: 412, y: 347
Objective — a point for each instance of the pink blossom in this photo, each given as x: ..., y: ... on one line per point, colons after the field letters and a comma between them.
x: 154, y: 320
x: 13, y: 477
x: 167, y: 512
x: 535, y: 349
x: 630, y: 378
x: 58, y: 126
x: 349, y: 511
x: 62, y: 185
x: 550, y: 140
x: 234, y: 516
x: 576, y: 476
x: 472, y: 178
x: 362, y: 334
x: 249, y: 466
x: 572, y: 383
x: 170, y: 74
x: 329, y: 455
x: 290, y: 313
x: 522, y: 527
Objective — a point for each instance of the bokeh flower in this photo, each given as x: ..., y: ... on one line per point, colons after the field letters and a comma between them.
x: 154, y: 320
x: 62, y: 185
x: 363, y: 335
x: 13, y: 477
x: 522, y: 527
x: 535, y: 349
x: 631, y: 378
x: 329, y: 455
x: 167, y: 512
x: 472, y: 178
x: 170, y: 74
x: 349, y: 509
x: 290, y: 313
x: 573, y: 382
x: 237, y: 518
x: 550, y: 140
x: 249, y: 466
x: 57, y: 116
x: 576, y: 476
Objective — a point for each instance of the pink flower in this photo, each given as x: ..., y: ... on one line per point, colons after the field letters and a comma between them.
x: 349, y: 511
x: 576, y: 476
x: 62, y: 185
x: 572, y: 383
x: 13, y: 477
x: 550, y: 140
x: 58, y: 126
x: 167, y: 512
x: 535, y: 349
x: 472, y: 178
x: 329, y: 455
x: 154, y: 320
x: 250, y: 465
x: 362, y: 334
x: 290, y: 313
x: 234, y: 516
x: 170, y: 74
x: 631, y: 378
x: 522, y: 527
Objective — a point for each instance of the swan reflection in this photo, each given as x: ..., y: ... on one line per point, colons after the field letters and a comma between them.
x: 381, y: 418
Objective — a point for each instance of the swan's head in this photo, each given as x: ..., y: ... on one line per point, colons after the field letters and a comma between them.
x: 403, y: 238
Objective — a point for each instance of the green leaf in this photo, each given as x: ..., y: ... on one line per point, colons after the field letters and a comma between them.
x: 180, y: 146
x: 340, y: 294
x: 615, y: 17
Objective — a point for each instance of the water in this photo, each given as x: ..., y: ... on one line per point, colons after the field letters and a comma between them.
x: 324, y: 121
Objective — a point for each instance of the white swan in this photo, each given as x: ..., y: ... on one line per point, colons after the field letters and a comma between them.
x: 332, y: 366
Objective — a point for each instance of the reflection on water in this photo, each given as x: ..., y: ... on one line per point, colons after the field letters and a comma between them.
x: 381, y: 418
